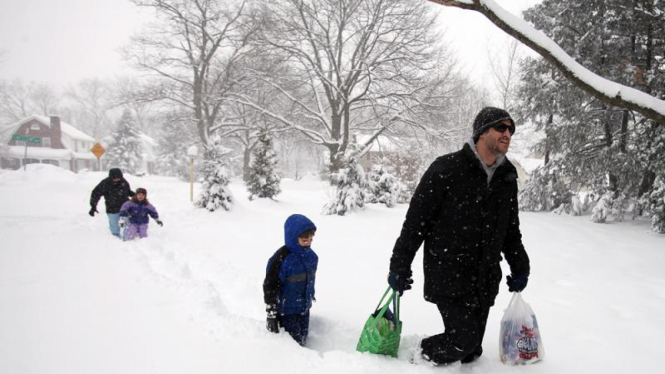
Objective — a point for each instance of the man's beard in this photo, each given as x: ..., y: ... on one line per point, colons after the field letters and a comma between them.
x: 496, y: 147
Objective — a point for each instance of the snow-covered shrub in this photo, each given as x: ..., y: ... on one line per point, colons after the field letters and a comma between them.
x: 349, y: 186
x: 263, y: 180
x: 654, y: 204
x: 602, y: 209
x: 383, y: 187
x: 545, y: 191
x: 125, y: 149
x: 406, y: 167
x: 214, y: 189
x: 619, y: 206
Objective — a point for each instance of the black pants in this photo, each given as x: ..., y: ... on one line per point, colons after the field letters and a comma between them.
x: 463, y: 336
x: 297, y: 325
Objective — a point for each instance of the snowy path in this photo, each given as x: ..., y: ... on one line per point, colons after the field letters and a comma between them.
x: 189, y: 300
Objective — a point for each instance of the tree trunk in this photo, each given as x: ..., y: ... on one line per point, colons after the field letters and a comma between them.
x: 246, y: 158
x: 550, y: 119
x: 608, y: 142
x: 623, y: 136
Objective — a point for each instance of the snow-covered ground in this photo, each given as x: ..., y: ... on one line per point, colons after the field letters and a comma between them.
x: 75, y: 300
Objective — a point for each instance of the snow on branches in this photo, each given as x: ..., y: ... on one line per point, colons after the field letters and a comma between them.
x: 263, y: 178
x: 215, y: 193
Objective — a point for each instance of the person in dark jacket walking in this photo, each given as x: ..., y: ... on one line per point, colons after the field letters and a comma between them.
x: 137, y: 210
x: 465, y: 210
x: 288, y: 289
x: 116, y: 191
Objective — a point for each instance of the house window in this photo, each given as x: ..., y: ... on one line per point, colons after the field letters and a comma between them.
x: 46, y: 142
x: 51, y: 162
x: 34, y: 126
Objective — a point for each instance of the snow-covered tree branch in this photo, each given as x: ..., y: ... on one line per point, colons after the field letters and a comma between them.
x: 604, y: 90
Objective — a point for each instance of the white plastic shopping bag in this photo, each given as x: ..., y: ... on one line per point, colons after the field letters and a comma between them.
x: 520, y: 341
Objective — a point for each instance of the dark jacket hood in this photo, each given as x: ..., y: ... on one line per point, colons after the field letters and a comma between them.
x: 294, y: 226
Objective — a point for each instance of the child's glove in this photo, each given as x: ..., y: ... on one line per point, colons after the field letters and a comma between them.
x: 160, y: 223
x: 399, y: 283
x: 271, y: 322
x: 92, y: 211
x: 121, y: 223
x: 517, y: 282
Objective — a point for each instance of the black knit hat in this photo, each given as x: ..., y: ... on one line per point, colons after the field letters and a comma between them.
x: 487, y: 117
x: 142, y: 190
x: 115, y: 173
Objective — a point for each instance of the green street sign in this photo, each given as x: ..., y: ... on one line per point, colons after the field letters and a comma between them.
x: 21, y: 138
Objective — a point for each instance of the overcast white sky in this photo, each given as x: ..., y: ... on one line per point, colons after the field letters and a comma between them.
x: 63, y: 41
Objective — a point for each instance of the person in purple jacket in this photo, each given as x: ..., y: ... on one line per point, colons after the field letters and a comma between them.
x: 137, y: 211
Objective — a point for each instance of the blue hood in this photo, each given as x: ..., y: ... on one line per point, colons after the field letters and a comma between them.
x: 293, y: 227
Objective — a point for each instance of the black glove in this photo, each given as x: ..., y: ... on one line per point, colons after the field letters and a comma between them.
x: 271, y: 322
x: 160, y: 223
x: 92, y: 211
x: 399, y: 283
x: 517, y: 282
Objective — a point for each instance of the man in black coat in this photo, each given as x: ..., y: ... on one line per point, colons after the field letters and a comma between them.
x: 465, y: 210
x: 116, y: 191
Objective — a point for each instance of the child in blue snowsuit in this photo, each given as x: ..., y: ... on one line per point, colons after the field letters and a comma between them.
x: 288, y: 289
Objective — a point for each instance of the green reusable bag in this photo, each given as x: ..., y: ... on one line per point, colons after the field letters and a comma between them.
x: 382, y: 330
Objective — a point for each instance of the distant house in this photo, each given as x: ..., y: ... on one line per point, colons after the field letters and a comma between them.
x: 149, y: 157
x: 380, y: 147
x: 61, y: 144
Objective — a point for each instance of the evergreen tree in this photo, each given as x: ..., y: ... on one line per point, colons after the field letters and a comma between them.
x: 125, y: 149
x: 654, y: 203
x: 407, y: 168
x: 383, y: 187
x: 598, y: 146
x: 215, y: 193
x: 350, y: 184
x: 263, y: 181
x: 545, y: 191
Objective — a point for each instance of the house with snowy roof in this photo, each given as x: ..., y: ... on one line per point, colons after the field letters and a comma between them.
x: 378, y: 148
x: 60, y: 144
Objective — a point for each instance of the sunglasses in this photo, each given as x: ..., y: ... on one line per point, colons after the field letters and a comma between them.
x: 502, y: 127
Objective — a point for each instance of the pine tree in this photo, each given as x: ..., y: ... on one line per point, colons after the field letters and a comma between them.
x: 654, y: 203
x: 350, y: 184
x: 215, y: 193
x: 545, y: 191
x: 599, y: 147
x: 263, y: 181
x: 407, y: 168
x: 125, y: 149
x: 383, y: 186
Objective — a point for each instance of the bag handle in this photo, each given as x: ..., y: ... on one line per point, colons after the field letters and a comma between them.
x: 395, y: 300
x: 517, y: 297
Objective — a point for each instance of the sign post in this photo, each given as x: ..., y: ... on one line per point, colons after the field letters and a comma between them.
x: 26, y: 140
x: 98, y: 151
x: 192, y: 152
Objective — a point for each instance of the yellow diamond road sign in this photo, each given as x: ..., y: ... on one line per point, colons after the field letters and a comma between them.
x: 97, y: 150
